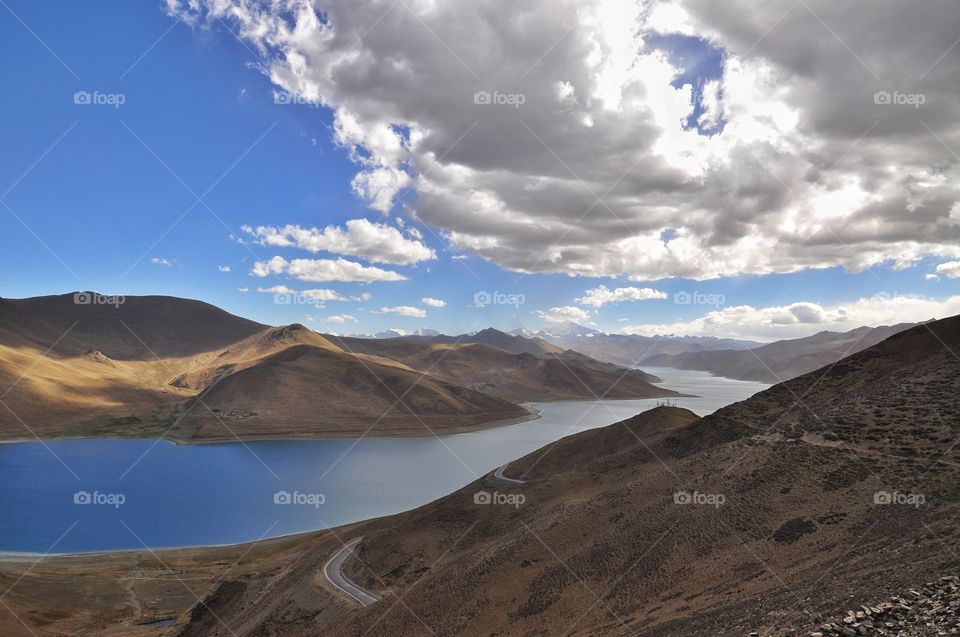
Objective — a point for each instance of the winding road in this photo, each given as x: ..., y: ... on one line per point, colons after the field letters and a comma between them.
x: 498, y: 474
x: 333, y: 571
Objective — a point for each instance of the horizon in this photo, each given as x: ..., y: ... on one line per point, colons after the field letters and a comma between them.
x: 183, y: 155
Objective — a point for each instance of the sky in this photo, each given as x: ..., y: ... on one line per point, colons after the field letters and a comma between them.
x: 648, y: 167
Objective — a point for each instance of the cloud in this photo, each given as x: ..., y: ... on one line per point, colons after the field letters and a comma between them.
x: 402, y: 310
x: 243, y: 290
x: 223, y: 268
x: 375, y: 242
x: 803, y: 319
x: 564, y: 314
x: 433, y: 302
x: 308, y: 296
x: 600, y: 296
x: 339, y: 318
x: 951, y: 270
x: 167, y: 263
x: 806, y: 169
x: 360, y: 298
x: 322, y: 270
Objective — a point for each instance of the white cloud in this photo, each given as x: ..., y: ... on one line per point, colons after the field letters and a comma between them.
x: 402, y: 310
x: 601, y: 295
x: 167, y: 263
x: 951, y: 270
x: 793, y: 181
x: 276, y: 289
x: 433, y: 302
x: 223, y: 268
x: 564, y: 314
x: 339, y: 318
x: 360, y: 298
x: 321, y: 270
x: 803, y: 319
x: 243, y: 290
x: 931, y: 277
x: 309, y: 296
x: 376, y: 242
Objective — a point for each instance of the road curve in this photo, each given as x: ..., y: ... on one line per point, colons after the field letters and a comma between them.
x: 333, y: 571
x: 498, y: 474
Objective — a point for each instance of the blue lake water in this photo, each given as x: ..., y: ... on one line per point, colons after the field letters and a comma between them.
x: 102, y: 495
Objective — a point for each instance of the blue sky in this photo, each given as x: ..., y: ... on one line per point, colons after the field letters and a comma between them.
x: 101, y: 189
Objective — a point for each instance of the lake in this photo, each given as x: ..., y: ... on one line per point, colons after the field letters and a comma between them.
x: 103, y: 495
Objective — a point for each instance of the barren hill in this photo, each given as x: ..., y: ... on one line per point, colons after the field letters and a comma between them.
x: 766, y: 516
x: 85, y: 365
x: 513, y: 376
x: 780, y: 360
x: 515, y: 344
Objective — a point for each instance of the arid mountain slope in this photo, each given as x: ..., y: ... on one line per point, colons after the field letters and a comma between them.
x: 517, y: 377
x: 781, y: 360
x: 123, y: 328
x: 78, y: 365
x: 293, y: 381
x: 769, y: 514
x: 515, y: 344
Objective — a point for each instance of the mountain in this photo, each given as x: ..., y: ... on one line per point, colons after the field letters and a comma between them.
x: 517, y: 374
x: 781, y: 360
x: 558, y: 331
x: 291, y: 381
x: 630, y: 349
x: 397, y: 333
x: 87, y: 365
x: 513, y: 343
x: 768, y: 516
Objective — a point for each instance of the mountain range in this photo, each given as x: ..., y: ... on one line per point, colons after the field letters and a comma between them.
x: 630, y: 349
x: 780, y: 360
x: 83, y: 365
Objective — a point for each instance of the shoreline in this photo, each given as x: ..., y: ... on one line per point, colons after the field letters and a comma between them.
x: 533, y: 414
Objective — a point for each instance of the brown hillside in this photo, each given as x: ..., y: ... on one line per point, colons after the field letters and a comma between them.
x: 787, y: 521
x: 516, y: 377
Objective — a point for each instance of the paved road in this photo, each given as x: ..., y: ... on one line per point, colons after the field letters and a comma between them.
x: 498, y: 474
x: 333, y: 570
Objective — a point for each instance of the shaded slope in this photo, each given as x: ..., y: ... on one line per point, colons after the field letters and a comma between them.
x: 139, y: 328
